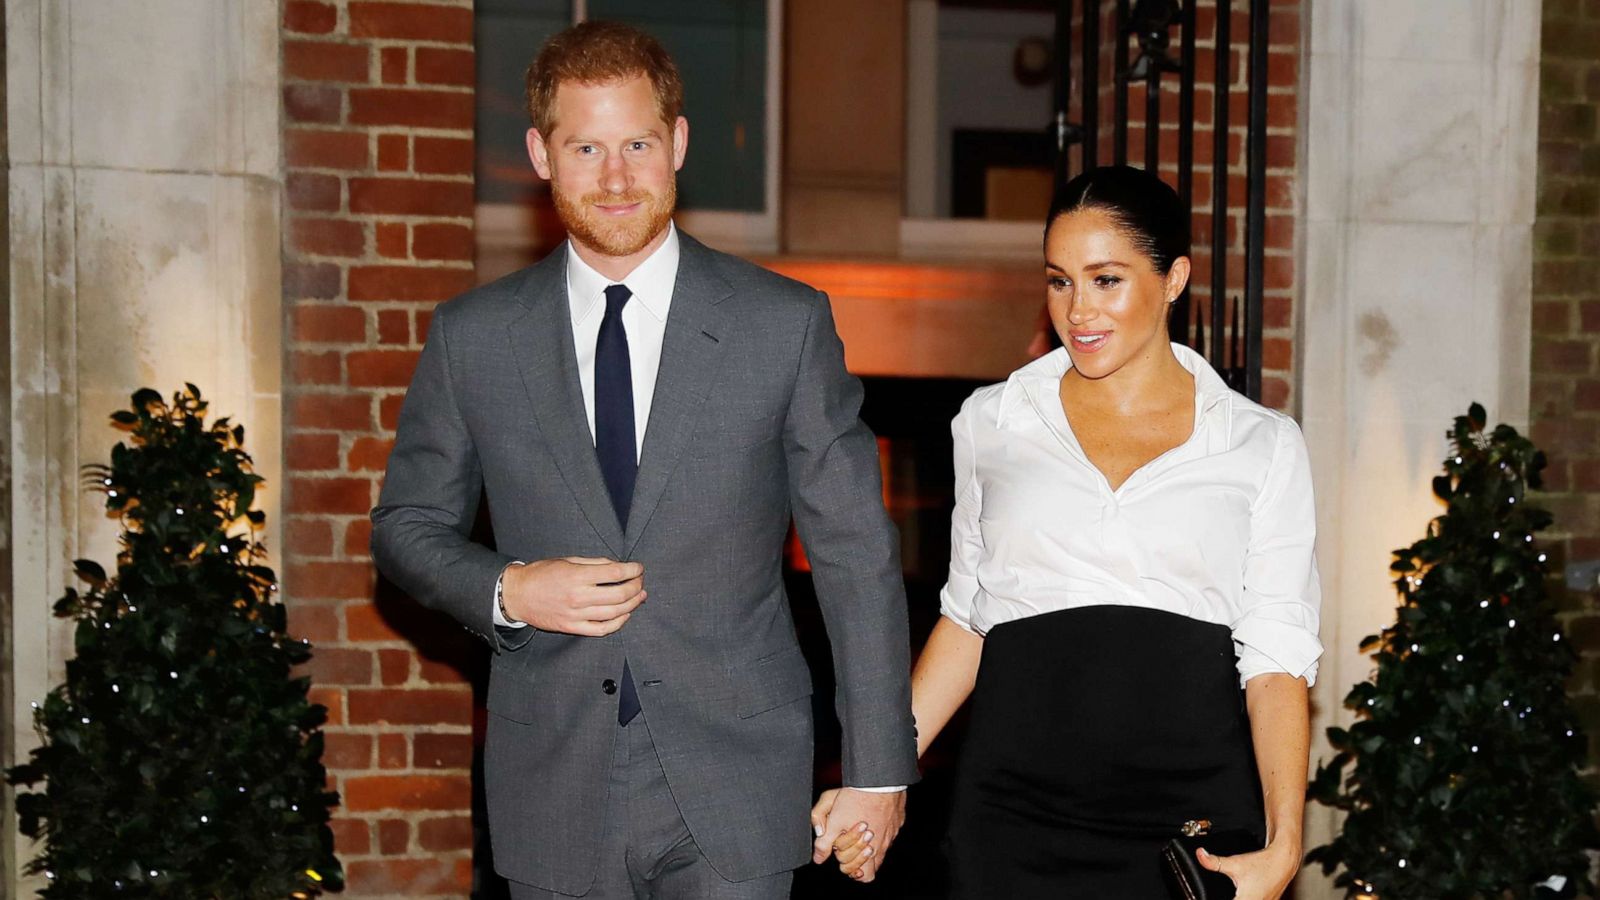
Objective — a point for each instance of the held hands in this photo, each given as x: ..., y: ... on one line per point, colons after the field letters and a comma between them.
x: 857, y: 827
x: 1262, y: 875
x: 576, y: 595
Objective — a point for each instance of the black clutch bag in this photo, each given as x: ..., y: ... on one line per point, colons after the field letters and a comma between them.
x: 1186, y: 878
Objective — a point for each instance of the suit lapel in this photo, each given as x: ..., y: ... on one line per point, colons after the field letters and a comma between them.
x: 541, y: 342
x: 691, y: 355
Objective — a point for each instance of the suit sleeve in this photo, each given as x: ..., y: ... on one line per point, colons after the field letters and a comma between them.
x: 836, y: 492
x: 421, y: 525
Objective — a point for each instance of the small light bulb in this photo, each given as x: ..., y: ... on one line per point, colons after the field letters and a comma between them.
x: 1556, y: 637
x: 1415, y: 648
x: 85, y: 720
x: 1460, y: 658
x: 1497, y: 535
x: 1417, y: 740
x: 115, y: 689
x: 1483, y: 604
x: 1512, y: 624
x: 205, y: 820
x: 1542, y: 557
x: 1511, y: 499
x: 1402, y: 864
x: 1474, y: 748
x: 174, y: 674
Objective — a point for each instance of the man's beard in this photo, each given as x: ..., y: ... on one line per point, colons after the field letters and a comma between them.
x: 615, y: 237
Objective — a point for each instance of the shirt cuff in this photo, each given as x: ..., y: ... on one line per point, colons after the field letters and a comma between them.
x: 499, y: 584
x: 1268, y: 646
x: 892, y: 789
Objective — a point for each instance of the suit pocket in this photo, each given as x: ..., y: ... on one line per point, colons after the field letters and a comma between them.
x: 771, y: 682
x: 511, y: 695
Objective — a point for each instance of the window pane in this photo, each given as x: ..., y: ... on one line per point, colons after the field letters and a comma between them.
x: 721, y: 49
x: 509, y: 33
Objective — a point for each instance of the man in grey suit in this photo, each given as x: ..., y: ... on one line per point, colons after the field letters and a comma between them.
x: 643, y: 415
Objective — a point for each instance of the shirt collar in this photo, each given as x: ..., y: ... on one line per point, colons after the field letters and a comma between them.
x: 1209, y: 388
x: 651, y: 281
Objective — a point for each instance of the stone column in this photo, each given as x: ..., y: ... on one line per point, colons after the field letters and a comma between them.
x: 1420, y: 136
x: 144, y: 250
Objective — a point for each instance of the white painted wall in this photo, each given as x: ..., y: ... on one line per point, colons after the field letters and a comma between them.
x: 145, y: 250
x: 1419, y: 129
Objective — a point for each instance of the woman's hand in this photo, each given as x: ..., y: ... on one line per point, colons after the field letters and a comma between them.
x: 1262, y: 875
x: 853, y: 849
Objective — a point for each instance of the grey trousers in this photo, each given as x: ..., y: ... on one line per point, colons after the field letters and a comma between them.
x: 647, y: 851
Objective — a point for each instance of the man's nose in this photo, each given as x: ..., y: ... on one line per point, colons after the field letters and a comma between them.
x: 614, y: 175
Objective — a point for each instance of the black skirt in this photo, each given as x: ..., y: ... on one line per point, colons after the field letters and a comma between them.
x: 1095, y: 734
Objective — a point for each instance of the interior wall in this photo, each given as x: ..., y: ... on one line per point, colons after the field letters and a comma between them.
x: 143, y: 250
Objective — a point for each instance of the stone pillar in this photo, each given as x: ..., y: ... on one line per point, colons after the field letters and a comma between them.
x: 1420, y: 135
x: 143, y: 199
x: 844, y: 127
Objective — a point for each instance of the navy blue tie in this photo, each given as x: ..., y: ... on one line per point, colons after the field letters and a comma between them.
x: 614, y: 440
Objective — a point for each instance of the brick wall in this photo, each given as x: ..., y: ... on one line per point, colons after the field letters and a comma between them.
x: 378, y: 116
x: 1283, y: 115
x: 1566, y: 316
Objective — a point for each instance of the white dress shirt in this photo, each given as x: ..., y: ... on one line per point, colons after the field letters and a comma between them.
x: 1220, y: 529
x: 644, y: 320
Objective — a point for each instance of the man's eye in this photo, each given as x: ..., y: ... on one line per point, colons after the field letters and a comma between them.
x: 638, y: 145
x: 586, y: 150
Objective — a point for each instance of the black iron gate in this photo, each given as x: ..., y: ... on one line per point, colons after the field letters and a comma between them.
x: 1226, y: 329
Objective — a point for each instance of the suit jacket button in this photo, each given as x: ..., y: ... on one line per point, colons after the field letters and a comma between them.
x: 608, y: 686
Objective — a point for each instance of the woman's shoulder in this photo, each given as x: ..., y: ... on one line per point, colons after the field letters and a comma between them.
x: 981, y: 409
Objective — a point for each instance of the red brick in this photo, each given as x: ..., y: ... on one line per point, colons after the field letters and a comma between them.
x: 394, y: 153
x: 380, y: 368
x: 1283, y: 27
x: 1275, y: 393
x: 340, y: 665
x: 315, y: 368
x: 409, y: 876
x: 351, y: 837
x: 1568, y: 356
x: 314, y: 281
x: 306, y: 17
x: 396, y: 63
x: 440, y: 66
x: 1277, y: 271
x: 1277, y: 312
x: 411, y: 107
x: 369, y: 454
x: 308, y: 537
x: 308, y: 149
x: 436, y: 671
x: 1589, y: 316
x: 394, y: 325
x: 410, y: 707
x: 1586, y: 475
x: 411, y: 197
x: 407, y: 283
x: 442, y: 751
x: 448, y: 833
x: 352, y: 496
x: 394, y: 666
x: 1586, y: 395
x: 347, y: 750
x: 314, y: 623
x: 331, y: 580
x: 304, y: 452
x: 330, y: 698
x: 358, y: 538
x: 363, y: 622
x: 336, y: 412
x: 313, y: 103
x: 308, y: 191
x: 443, y: 156
x: 424, y: 319
x: 394, y: 837
x: 389, y: 411
x: 411, y: 21
x: 328, y: 324
x: 1283, y: 69
x: 392, y: 240
x: 327, y: 237
x: 440, y: 240
x: 1277, y: 353
x: 394, y: 751
x: 1552, y: 317
x: 371, y: 792
x: 325, y: 61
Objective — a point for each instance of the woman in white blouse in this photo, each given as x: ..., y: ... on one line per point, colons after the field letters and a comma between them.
x: 1131, y: 546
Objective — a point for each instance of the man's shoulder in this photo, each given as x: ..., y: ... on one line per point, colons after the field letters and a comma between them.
x: 493, y: 301
x: 754, y: 281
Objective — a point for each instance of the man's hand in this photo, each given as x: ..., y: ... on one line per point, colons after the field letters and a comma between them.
x: 575, y: 595
x: 860, y: 824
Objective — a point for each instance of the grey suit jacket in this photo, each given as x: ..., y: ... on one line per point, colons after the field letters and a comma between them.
x: 754, y: 419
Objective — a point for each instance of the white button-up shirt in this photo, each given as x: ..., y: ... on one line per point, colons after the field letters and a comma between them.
x: 1220, y: 529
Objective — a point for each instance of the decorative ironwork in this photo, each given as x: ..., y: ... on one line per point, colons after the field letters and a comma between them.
x: 1233, y: 322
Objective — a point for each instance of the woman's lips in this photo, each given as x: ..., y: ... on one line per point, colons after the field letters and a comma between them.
x: 1088, y: 341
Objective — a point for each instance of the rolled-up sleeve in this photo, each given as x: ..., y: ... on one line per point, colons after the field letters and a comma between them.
x: 960, y: 591
x: 1277, y: 631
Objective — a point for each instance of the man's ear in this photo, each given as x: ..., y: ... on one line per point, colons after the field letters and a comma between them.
x: 680, y: 142
x: 539, y: 153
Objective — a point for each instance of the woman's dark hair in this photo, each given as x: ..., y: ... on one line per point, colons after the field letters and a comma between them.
x: 1143, y: 206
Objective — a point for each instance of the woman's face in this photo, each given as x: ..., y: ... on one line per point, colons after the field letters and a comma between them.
x: 1107, y: 301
